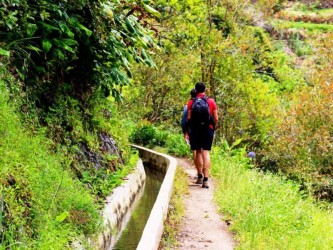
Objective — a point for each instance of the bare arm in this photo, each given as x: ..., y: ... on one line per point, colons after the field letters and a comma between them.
x: 189, y: 114
x: 215, y: 116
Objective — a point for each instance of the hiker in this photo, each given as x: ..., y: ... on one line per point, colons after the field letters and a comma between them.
x: 202, y: 118
x: 185, y: 127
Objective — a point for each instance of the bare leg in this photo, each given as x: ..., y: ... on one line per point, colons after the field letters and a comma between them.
x: 198, y: 160
x: 206, y: 162
x: 197, y: 166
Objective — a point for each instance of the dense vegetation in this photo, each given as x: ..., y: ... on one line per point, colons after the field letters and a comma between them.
x: 267, y: 211
x: 37, y: 194
x: 64, y: 146
x: 79, y: 79
x: 270, y: 78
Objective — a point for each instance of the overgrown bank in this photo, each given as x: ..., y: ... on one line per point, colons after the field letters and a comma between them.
x: 65, y: 144
x: 51, y: 194
x: 41, y: 205
x: 268, y: 211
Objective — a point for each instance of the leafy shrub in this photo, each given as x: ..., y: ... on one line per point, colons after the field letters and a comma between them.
x: 301, y: 48
x: 108, y: 120
x: 278, y: 5
x: 148, y: 135
x: 168, y: 89
x: 71, y: 48
x: 246, y: 86
x: 161, y: 138
x: 143, y: 135
x: 177, y: 146
x: 302, y: 143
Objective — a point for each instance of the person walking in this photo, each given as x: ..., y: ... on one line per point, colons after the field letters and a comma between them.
x: 185, y: 127
x: 184, y: 124
x: 202, y: 118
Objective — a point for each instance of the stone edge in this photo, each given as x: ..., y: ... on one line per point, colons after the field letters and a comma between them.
x: 153, y: 230
x: 118, y: 205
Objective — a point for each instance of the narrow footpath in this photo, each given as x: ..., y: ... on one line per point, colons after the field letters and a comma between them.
x: 202, y: 227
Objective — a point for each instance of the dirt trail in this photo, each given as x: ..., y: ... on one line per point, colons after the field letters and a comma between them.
x: 203, y: 227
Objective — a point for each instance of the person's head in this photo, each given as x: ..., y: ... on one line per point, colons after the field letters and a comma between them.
x: 200, y: 87
x: 193, y: 93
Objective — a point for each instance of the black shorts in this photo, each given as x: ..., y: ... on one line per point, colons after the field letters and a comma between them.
x: 201, y: 139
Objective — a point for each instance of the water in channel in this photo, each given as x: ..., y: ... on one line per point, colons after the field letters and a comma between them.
x: 131, y: 235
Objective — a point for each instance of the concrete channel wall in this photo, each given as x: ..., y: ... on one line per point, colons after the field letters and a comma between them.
x: 122, y: 200
x: 119, y: 206
x: 153, y: 230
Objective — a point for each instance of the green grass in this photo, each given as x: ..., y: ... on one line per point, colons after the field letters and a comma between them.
x: 267, y: 211
x: 41, y: 205
x: 312, y: 27
x: 300, y: 8
x: 317, y: 12
x: 176, y: 210
x: 325, y: 12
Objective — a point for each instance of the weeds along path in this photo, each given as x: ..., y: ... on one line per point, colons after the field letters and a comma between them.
x: 202, y: 226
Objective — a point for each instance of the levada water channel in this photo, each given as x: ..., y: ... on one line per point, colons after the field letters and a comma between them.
x: 132, y: 232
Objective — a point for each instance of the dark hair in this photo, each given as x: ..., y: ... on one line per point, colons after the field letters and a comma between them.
x: 200, y: 87
x: 193, y: 93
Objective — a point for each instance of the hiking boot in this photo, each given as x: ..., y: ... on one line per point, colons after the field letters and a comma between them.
x: 205, y: 184
x: 199, y: 180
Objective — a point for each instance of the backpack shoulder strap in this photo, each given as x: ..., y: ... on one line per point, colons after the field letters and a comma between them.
x: 206, y: 98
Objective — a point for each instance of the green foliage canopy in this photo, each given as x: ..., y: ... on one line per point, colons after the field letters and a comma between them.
x: 74, y: 46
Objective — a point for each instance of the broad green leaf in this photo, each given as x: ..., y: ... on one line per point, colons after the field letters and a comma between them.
x: 225, y: 145
x: 144, y: 54
x: 86, y: 30
x: 40, y: 69
x: 34, y: 48
x: 64, y: 28
x: 108, y: 11
x: 60, y: 54
x: 31, y: 29
x: 78, y: 25
x: 65, y: 44
x: 236, y: 143
x: 47, y: 45
x: 48, y: 27
x: 69, y: 68
x: 151, y: 10
x: 129, y: 25
x: 11, y: 20
x: 44, y: 15
x: 4, y: 52
x: 61, y: 217
x: 69, y: 41
x: 149, y: 63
